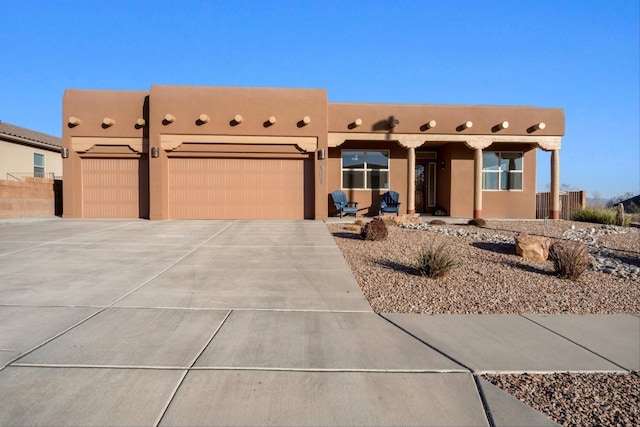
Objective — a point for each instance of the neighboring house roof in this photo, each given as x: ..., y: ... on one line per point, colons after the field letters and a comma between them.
x: 26, y: 136
x: 635, y: 201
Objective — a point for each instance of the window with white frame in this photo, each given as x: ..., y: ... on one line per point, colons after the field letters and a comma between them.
x: 501, y: 171
x: 38, y: 165
x: 365, y: 169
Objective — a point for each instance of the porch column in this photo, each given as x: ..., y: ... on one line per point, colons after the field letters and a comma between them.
x: 477, y: 183
x: 477, y: 144
x: 410, y: 142
x: 554, y: 212
x: 411, y: 167
x: 553, y: 144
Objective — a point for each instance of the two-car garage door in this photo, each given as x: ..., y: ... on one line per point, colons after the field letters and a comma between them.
x: 236, y: 188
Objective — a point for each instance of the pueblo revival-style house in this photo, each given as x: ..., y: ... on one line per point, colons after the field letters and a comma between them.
x: 184, y: 152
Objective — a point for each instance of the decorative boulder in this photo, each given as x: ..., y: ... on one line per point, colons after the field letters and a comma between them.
x: 532, y: 247
x: 406, y: 219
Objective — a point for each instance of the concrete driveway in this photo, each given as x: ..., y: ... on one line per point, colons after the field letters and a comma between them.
x: 110, y: 322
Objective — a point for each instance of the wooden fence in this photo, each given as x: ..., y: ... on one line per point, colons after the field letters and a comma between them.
x: 570, y: 201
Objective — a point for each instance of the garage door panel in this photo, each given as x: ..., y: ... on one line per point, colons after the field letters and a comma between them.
x: 111, y: 188
x: 219, y: 188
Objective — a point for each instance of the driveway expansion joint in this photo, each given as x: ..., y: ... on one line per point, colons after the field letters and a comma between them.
x: 623, y: 369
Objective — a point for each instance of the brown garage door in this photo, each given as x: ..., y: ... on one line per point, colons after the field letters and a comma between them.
x: 231, y: 188
x: 111, y: 188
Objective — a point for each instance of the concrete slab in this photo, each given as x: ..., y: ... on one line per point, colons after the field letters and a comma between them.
x: 84, y: 396
x: 240, y: 398
x: 275, y: 233
x: 23, y: 328
x: 157, y: 233
x: 507, y: 411
x: 302, y: 258
x: 500, y: 343
x: 202, y: 287
x: 54, y: 230
x: 80, y: 274
x: 132, y: 337
x: 612, y: 336
x: 317, y: 340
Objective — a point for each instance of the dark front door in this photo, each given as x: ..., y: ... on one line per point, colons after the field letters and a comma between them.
x: 425, y: 179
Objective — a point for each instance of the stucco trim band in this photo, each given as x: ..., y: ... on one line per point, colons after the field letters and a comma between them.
x: 172, y: 142
x: 84, y: 144
x: 414, y: 141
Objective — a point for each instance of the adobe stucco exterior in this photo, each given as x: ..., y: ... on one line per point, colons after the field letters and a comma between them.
x: 240, y: 153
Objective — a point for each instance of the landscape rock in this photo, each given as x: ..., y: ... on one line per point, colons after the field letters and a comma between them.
x: 532, y: 247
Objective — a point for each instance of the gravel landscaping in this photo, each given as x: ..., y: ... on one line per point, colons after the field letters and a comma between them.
x: 490, y: 278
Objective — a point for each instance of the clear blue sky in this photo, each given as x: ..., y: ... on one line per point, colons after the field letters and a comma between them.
x: 581, y: 55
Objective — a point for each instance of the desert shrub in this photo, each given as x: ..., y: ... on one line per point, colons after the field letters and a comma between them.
x: 437, y: 222
x: 387, y: 220
x: 599, y: 216
x: 361, y: 222
x: 352, y: 227
x: 436, y: 261
x: 570, y: 259
x: 478, y: 222
x: 376, y: 229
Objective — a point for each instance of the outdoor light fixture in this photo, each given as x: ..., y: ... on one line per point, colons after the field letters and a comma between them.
x: 270, y: 121
x: 155, y: 152
x: 537, y: 126
x: 140, y: 122
x: 74, y: 121
x: 65, y: 153
x: 202, y: 119
x: 500, y: 126
x: 322, y: 154
x: 169, y: 118
x: 306, y: 120
x: 237, y: 119
x: 108, y: 122
x: 430, y: 124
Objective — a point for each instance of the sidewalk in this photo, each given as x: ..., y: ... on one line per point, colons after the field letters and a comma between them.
x: 252, y: 323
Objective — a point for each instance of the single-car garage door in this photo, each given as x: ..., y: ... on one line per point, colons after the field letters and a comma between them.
x: 111, y: 188
x: 236, y: 188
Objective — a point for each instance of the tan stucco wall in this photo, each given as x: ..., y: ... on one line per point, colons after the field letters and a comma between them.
x: 92, y: 107
x: 513, y: 204
x: 412, y: 118
x: 19, y: 158
x: 221, y: 105
x: 328, y: 124
x: 459, y: 160
x: 369, y: 200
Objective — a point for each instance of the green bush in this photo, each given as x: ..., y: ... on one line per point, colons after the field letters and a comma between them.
x: 376, y: 229
x: 570, y: 259
x: 598, y: 216
x: 436, y: 261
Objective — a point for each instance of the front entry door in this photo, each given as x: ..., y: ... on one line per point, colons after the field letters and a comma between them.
x: 425, y: 179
